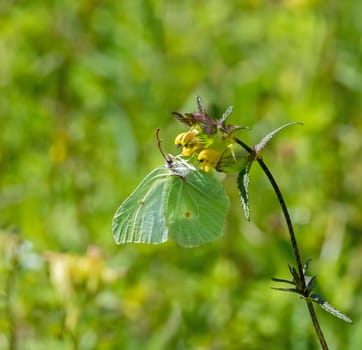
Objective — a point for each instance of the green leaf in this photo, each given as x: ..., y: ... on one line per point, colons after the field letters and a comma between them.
x: 200, y: 105
x: 195, y: 208
x: 329, y: 308
x: 260, y: 146
x: 226, y: 114
x: 243, y: 185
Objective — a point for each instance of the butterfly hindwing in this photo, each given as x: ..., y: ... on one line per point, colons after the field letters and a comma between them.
x: 195, y: 208
x: 140, y: 218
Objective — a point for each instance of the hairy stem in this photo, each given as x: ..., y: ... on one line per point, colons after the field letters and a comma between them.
x: 316, y: 325
x: 287, y: 219
x: 293, y: 239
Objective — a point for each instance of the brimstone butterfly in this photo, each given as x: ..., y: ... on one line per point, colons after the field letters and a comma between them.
x: 175, y: 200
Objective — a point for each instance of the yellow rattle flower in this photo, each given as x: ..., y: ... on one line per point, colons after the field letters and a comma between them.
x: 193, y: 141
x: 208, y: 159
x: 189, y: 142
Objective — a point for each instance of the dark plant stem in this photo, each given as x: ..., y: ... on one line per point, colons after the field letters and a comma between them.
x: 293, y: 239
x: 316, y: 325
x: 287, y: 219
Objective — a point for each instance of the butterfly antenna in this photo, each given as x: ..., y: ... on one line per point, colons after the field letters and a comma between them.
x: 159, y: 143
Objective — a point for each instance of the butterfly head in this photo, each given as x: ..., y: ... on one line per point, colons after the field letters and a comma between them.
x: 178, y: 166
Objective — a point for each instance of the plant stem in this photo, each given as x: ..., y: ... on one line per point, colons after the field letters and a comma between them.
x: 293, y: 239
x: 10, y: 291
x: 287, y: 219
x: 316, y: 325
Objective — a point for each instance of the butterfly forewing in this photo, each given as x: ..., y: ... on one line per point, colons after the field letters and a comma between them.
x: 140, y: 218
x: 195, y: 208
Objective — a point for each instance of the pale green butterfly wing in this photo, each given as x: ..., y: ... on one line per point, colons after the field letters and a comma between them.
x: 175, y: 200
x: 195, y: 208
x: 140, y: 218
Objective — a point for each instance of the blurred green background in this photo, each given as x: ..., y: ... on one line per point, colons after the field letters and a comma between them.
x: 84, y: 85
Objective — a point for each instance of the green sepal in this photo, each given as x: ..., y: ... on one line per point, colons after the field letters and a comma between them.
x: 233, y: 159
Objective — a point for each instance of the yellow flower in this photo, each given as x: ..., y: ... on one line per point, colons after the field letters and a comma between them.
x: 189, y: 143
x: 193, y: 141
x: 208, y: 159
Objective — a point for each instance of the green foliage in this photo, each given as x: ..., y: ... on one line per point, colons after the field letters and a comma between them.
x: 84, y: 84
